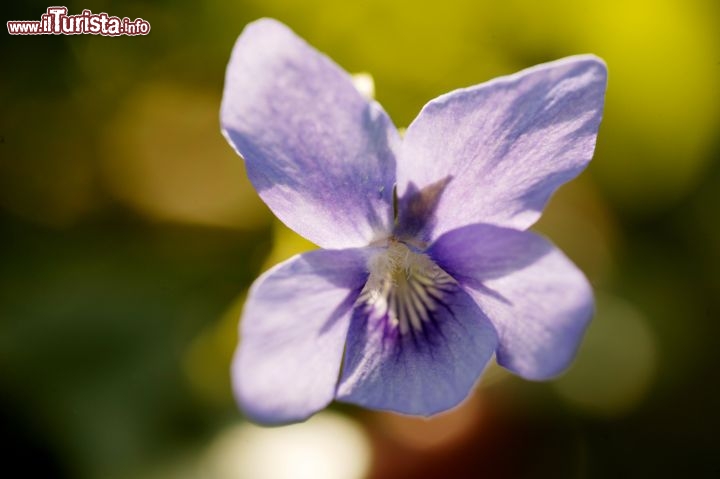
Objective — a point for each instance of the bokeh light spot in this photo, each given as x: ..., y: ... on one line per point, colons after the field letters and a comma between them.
x: 365, y: 84
x: 165, y: 157
x: 327, y: 446
x: 617, y: 361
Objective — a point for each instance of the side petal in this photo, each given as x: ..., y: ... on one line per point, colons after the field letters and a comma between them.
x: 537, y: 299
x: 495, y: 152
x: 419, y: 372
x: 318, y: 153
x: 292, y: 335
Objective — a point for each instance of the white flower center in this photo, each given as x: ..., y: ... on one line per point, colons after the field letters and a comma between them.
x: 404, y: 288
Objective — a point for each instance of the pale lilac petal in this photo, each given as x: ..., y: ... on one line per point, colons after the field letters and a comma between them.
x: 319, y: 154
x: 419, y: 372
x: 293, y: 332
x: 495, y: 152
x: 539, y: 302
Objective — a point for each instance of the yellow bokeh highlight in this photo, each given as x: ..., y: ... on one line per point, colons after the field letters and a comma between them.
x: 617, y: 361
x: 165, y: 156
x: 207, y: 362
x: 286, y: 244
x: 662, y: 116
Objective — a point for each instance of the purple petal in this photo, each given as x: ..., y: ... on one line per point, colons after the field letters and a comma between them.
x: 495, y: 152
x: 419, y: 372
x: 537, y: 299
x: 293, y: 331
x: 318, y: 153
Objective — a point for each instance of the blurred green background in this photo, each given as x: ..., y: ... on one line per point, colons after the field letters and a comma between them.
x: 129, y: 234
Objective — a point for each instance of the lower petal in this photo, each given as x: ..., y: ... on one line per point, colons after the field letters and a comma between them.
x: 537, y: 299
x: 293, y: 332
x: 424, y: 371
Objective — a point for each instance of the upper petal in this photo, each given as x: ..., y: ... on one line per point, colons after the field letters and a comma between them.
x: 495, y: 152
x: 319, y: 154
x: 293, y: 332
x: 420, y: 372
x: 537, y: 299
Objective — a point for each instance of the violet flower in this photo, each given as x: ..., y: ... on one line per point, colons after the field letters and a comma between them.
x: 411, y: 294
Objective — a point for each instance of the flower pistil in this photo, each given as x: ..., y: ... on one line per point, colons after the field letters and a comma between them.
x: 404, y: 288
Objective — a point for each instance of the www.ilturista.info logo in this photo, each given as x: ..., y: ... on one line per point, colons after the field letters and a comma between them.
x: 57, y: 22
